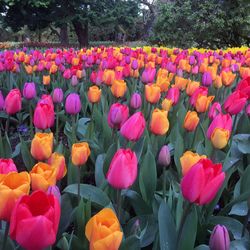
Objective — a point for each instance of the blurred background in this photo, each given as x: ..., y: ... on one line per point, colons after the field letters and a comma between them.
x: 196, y: 23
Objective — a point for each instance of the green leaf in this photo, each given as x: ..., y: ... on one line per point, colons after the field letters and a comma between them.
x: 138, y: 147
x: 245, y: 180
x: 243, y: 142
x: 167, y: 227
x: 131, y: 243
x: 202, y: 247
x: 110, y: 153
x: 148, y: 177
x: 10, y: 245
x: 28, y: 160
x: 16, y: 151
x: 239, y: 209
x: 99, y: 175
x: 179, y: 149
x: 89, y: 192
x: 82, y: 126
x: 188, y: 236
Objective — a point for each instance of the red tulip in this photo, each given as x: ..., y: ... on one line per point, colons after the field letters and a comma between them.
x: 13, y: 102
x: 134, y: 127
x: 235, y: 102
x: 244, y: 86
x: 34, y: 220
x: 44, y: 114
x: 123, y: 169
x: 202, y: 182
x: 117, y: 115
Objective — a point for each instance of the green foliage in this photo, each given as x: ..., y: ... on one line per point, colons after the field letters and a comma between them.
x: 202, y: 23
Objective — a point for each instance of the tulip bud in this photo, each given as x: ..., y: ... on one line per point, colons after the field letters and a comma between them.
x: 135, y: 101
x: 219, y: 239
x: 80, y: 153
x: 29, y: 90
x: 1, y: 101
x: 74, y: 80
x: 206, y: 79
x: 164, y: 156
x: 134, y: 65
x: 57, y: 95
x: 73, y: 104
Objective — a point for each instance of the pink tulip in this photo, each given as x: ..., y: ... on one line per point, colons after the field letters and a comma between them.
x: 219, y: 239
x: 117, y: 115
x: 134, y: 127
x: 57, y: 96
x: 173, y: 94
x: 214, y: 110
x: 244, y: 86
x: 202, y: 182
x: 29, y: 90
x: 235, y: 102
x: 148, y: 75
x: 122, y: 172
x: 13, y: 102
x: 135, y: 101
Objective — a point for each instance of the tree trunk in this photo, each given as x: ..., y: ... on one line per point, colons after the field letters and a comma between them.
x: 81, y: 32
x: 64, y: 38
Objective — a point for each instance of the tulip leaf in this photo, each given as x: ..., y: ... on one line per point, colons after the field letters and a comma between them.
x: 167, y: 230
x: 9, y: 244
x: 99, y: 175
x: 243, y: 142
x: 110, y: 153
x: 148, y: 177
x: 188, y: 235
x: 245, y: 180
x: 89, y: 192
x: 138, y: 147
x: 178, y: 152
x: 202, y: 247
x: 26, y: 155
x: 5, y: 147
x: 239, y: 209
x: 231, y: 224
x: 82, y: 127
x: 131, y: 243
x: 239, y: 245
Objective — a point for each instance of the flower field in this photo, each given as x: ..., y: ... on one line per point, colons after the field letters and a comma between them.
x: 125, y: 148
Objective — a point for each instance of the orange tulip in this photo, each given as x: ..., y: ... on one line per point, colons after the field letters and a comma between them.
x: 203, y: 102
x: 42, y: 176
x: 108, y: 76
x: 191, y: 121
x: 12, y: 186
x: 41, y: 146
x: 94, y: 94
x: 181, y: 82
x: 163, y: 82
x: 29, y: 69
x: 227, y: 78
x: 46, y: 80
x: 218, y: 82
x: 103, y: 231
x: 167, y: 104
x: 80, y: 153
x: 188, y: 159
x: 159, y: 124
x: 191, y: 87
x: 119, y: 88
x: 152, y: 93
x: 53, y: 69
x: 57, y: 161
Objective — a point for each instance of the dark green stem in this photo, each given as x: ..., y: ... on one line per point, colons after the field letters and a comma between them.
x: 6, y: 232
x: 31, y: 121
x: 78, y: 184
x: 7, y: 124
x: 119, y: 203
x: 245, y: 224
x: 73, y: 129
x: 57, y: 123
x: 164, y: 183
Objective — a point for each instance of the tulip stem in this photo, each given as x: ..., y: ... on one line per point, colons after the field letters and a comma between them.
x: 78, y: 184
x: 119, y: 204
x: 182, y: 222
x: 31, y: 121
x: 73, y: 129
x: 7, y: 124
x: 57, y: 122
x: 6, y: 232
x: 164, y: 183
x: 245, y: 224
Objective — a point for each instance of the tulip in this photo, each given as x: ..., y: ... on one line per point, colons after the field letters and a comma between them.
x: 134, y: 65
x: 173, y: 94
x: 6, y: 166
x: 119, y: 88
x: 41, y: 146
x: 164, y: 157
x: 108, y: 76
x: 248, y: 110
x: 57, y: 96
x: 214, y: 110
x: 188, y: 159
x: 103, y: 231
x: 40, y: 213
x: 1, y: 101
x: 67, y: 74
x: 218, y: 82
x: 73, y: 104
x: 42, y: 176
x: 135, y: 101
x: 148, y: 75
x: 57, y: 161
x: 219, y: 239
x: 202, y: 182
x: 46, y: 80
x: 133, y: 128
x: 12, y: 186
x: 191, y: 121
x: 152, y: 93
x: 220, y: 130
x: 80, y: 153
x: 13, y: 102
x: 122, y: 171
x: 191, y: 87
x: 203, y: 102
x: 227, y: 78
x: 235, y: 102
x: 159, y: 124
x: 198, y: 92
x: 74, y: 80
x: 244, y: 86
x: 29, y: 90
x: 117, y: 115
x: 181, y: 82
x: 166, y: 104
x: 54, y: 190
x: 94, y: 94
x: 44, y: 114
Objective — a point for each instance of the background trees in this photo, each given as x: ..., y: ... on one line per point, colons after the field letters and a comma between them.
x: 184, y: 23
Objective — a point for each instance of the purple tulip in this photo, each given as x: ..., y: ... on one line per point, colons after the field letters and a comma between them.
x: 29, y: 90
x: 219, y: 239
x: 73, y: 104
x: 135, y: 101
x: 57, y: 96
